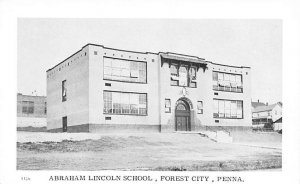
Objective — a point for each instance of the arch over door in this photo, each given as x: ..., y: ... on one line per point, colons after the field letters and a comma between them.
x: 182, y: 116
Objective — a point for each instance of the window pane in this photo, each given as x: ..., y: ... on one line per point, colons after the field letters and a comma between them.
x: 227, y: 109
x: 174, y: 82
x: 215, y: 76
x: 123, y: 70
x: 107, y: 71
x: 221, y: 108
x: 142, y: 76
x: 181, y: 107
x: 115, y: 63
x: 173, y: 70
x: 216, y: 108
x: 193, y: 73
x: 200, y: 107
x: 232, y: 78
x: 167, y: 105
x: 64, y: 90
x: 125, y: 103
x: 107, y: 62
x: 226, y: 77
x: 24, y: 108
x: 233, y: 109
x: 182, y: 76
x: 227, y: 82
x: 238, y: 78
x: 142, y: 104
x: 220, y: 76
x: 142, y: 66
x: 192, y: 78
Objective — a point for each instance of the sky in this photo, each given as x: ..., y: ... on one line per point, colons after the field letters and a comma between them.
x: 257, y: 43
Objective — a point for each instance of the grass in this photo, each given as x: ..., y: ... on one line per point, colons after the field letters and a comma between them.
x: 161, y: 152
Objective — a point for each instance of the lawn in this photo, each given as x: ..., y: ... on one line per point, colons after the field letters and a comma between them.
x: 156, y: 151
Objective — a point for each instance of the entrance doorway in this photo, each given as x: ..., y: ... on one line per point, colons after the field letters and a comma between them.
x: 64, y: 124
x: 182, y: 116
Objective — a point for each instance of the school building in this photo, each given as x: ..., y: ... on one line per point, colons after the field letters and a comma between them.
x: 101, y: 89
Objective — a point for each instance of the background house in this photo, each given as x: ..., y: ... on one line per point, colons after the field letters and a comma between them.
x: 256, y: 104
x: 267, y: 116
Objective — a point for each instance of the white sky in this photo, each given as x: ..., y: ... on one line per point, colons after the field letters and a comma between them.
x: 43, y: 43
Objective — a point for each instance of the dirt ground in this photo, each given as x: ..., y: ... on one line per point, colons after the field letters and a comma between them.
x: 157, y: 151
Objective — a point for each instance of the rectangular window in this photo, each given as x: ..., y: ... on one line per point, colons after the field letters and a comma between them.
x: 125, y: 103
x: 232, y: 109
x: 124, y: 70
x: 167, y: 105
x: 227, y: 82
x: 193, y: 77
x: 200, y: 107
x: 27, y: 107
x: 183, y: 76
x: 64, y: 90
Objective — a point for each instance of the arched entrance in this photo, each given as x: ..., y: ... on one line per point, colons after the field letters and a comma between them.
x: 182, y: 116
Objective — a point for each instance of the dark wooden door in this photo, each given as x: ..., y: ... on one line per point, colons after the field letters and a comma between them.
x: 65, y: 124
x: 182, y: 123
x: 182, y: 117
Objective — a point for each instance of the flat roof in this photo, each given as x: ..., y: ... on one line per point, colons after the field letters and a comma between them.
x: 168, y: 53
x: 20, y: 94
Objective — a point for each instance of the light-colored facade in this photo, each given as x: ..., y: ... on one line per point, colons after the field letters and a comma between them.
x: 31, y: 111
x: 100, y: 89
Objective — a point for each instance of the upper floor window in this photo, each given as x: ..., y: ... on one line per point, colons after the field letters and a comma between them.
x: 227, y: 82
x: 193, y: 76
x: 182, y: 76
x: 27, y: 107
x: 124, y: 70
x: 64, y: 90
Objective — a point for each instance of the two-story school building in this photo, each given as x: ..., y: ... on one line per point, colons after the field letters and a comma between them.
x: 100, y: 89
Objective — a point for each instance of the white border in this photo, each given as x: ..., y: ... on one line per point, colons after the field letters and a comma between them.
x: 285, y: 10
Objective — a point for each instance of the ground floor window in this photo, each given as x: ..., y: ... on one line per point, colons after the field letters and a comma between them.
x: 167, y: 105
x: 200, y: 107
x: 232, y: 109
x: 125, y: 103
